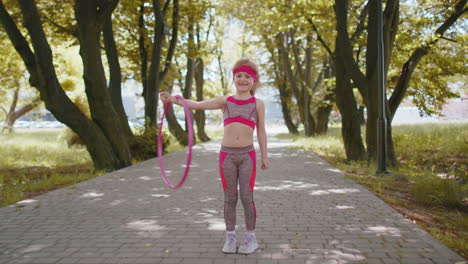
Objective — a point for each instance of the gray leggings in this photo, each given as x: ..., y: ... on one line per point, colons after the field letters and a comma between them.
x: 237, y: 167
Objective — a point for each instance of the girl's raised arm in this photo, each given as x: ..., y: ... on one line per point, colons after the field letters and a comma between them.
x: 210, y: 104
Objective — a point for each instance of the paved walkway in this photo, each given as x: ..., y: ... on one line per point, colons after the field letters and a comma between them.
x: 307, y: 213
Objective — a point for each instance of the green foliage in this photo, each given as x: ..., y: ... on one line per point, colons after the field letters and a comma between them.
x: 429, y: 87
x: 12, y: 77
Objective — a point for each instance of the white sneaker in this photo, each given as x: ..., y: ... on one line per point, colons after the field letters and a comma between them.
x: 250, y: 244
x: 231, y: 243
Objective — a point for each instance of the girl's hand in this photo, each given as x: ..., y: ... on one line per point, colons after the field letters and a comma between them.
x: 265, y: 164
x: 166, y: 98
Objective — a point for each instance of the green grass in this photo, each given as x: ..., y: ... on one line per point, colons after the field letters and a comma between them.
x: 431, y: 181
x: 24, y: 187
x: 38, y: 148
x: 37, y: 161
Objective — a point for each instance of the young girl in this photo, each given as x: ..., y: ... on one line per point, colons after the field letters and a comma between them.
x: 237, y: 158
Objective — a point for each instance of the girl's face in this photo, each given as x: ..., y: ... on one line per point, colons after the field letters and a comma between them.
x: 243, y: 81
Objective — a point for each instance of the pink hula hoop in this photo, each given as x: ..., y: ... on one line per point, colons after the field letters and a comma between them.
x: 188, y: 118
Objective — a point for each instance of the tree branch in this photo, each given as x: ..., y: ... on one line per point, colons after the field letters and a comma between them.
x: 408, y: 68
x: 361, y: 26
x: 141, y: 44
x: 166, y: 7
x: 19, y: 42
x: 390, y: 29
x: 172, y: 45
x: 320, y: 39
x: 72, y: 31
x: 358, y: 77
x: 26, y: 108
x: 15, y: 100
x: 449, y: 39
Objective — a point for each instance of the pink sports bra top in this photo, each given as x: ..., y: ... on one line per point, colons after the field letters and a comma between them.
x: 241, y: 111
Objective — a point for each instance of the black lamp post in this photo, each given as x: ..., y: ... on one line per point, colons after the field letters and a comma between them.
x: 382, y: 120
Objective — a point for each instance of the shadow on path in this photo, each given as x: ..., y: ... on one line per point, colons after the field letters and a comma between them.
x: 307, y: 213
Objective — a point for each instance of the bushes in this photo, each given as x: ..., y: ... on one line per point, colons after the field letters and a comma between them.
x: 143, y: 146
x: 432, y: 190
x: 434, y: 157
x: 71, y: 138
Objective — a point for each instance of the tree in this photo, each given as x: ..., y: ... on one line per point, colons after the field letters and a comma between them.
x: 367, y: 82
x: 346, y: 102
x: 280, y: 81
x: 13, y: 114
x: 11, y: 77
x: 157, y: 72
x: 296, y: 57
x: 102, y: 136
x: 202, y: 47
x: 193, y: 45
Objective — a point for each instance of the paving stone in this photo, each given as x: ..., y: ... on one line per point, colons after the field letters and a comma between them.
x: 307, y: 213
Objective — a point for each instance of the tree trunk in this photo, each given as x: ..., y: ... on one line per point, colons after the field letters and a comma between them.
x: 187, y: 92
x: 323, y: 116
x: 372, y: 99
x: 223, y: 80
x: 281, y: 83
x: 115, y: 81
x: 200, y: 114
x: 326, y: 106
x: 346, y: 102
x: 307, y: 88
x: 285, y: 98
x: 174, y: 127
x: 154, y: 82
x: 350, y: 125
x: 143, y: 49
x: 90, y: 18
x: 43, y: 77
x: 156, y: 73
x: 291, y: 77
x: 305, y: 80
x: 323, y: 113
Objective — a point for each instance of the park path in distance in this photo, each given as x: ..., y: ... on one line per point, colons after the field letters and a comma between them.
x: 308, y: 212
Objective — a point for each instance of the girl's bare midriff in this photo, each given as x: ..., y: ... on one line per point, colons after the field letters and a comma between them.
x: 237, y: 135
